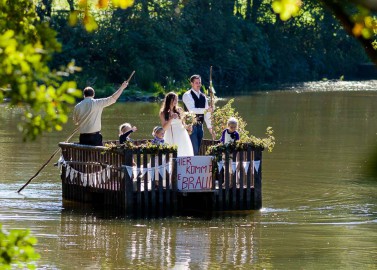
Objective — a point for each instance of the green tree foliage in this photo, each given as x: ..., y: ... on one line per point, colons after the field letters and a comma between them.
x: 244, y: 41
x: 311, y: 46
x: 17, y: 249
x: 357, y: 17
x: 236, y: 48
x: 26, y: 46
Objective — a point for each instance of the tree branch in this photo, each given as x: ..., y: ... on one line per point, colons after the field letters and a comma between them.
x: 348, y: 26
x: 369, y: 4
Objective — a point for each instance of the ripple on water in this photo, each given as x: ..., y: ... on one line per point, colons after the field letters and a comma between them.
x: 324, y: 215
x: 273, y: 210
x: 334, y: 85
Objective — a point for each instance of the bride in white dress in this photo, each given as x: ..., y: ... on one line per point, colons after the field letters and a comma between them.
x: 171, y: 117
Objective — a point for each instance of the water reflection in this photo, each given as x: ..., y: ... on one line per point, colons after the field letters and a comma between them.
x: 169, y: 243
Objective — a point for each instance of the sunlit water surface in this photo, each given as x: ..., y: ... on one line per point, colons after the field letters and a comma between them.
x: 320, y: 204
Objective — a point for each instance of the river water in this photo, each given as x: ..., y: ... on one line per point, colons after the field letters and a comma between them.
x: 319, y: 200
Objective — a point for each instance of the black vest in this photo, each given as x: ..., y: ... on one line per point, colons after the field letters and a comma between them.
x: 200, y: 102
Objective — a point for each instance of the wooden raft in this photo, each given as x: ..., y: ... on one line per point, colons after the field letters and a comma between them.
x: 101, y: 176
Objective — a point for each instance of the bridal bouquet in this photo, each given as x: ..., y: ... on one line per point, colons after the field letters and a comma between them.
x: 190, y: 120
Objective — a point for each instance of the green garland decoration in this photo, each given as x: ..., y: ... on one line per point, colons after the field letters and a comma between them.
x: 146, y: 148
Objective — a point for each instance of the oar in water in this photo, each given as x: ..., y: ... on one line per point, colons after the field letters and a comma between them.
x: 57, y: 150
x: 45, y: 164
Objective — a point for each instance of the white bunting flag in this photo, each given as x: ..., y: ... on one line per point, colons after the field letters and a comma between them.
x: 90, y: 179
x: 67, y: 171
x: 234, y: 166
x: 220, y: 164
x: 94, y: 179
x: 76, y: 176
x: 98, y: 177
x: 161, y: 170
x: 246, y: 165
x: 129, y: 171
x: 103, y: 176
x: 143, y: 171
x: 151, y: 173
x: 256, y: 164
x: 72, y: 174
x: 84, y: 178
x: 136, y: 172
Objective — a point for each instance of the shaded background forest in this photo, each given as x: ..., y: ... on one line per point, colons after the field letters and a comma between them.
x: 244, y: 41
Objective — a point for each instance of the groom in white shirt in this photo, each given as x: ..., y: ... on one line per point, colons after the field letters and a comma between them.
x: 196, y: 102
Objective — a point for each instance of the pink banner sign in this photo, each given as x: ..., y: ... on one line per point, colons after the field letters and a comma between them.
x: 194, y: 173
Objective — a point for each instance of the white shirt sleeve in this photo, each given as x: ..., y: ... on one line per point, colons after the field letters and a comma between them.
x: 207, y: 119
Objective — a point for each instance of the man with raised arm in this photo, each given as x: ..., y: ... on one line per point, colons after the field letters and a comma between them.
x: 87, y: 115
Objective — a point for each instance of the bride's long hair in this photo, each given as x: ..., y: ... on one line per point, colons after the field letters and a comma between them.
x: 165, y: 108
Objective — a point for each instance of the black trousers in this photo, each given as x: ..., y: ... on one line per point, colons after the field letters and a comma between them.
x: 94, y: 139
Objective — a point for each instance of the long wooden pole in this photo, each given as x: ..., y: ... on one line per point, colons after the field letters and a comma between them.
x: 129, y: 78
x: 210, y: 87
x: 211, y: 95
x: 57, y: 150
x: 45, y: 164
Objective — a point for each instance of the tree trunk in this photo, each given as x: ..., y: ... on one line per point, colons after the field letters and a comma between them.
x: 254, y: 9
x: 71, y: 4
x: 144, y: 9
x: 248, y: 9
x: 48, y: 6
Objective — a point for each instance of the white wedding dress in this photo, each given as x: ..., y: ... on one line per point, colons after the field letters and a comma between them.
x: 176, y: 134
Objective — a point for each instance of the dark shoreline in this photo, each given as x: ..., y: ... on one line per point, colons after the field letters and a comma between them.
x: 323, y: 85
